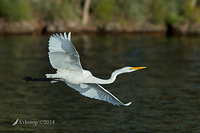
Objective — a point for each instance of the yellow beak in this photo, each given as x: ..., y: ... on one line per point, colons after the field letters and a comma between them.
x: 137, y: 68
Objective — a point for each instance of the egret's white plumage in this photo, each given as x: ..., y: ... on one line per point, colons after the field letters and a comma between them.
x: 64, y: 57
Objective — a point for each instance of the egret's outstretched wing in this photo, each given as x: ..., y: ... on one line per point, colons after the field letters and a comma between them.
x: 62, y: 53
x: 97, y: 92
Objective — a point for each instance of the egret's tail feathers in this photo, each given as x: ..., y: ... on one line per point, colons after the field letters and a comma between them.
x: 53, y: 81
x: 51, y: 76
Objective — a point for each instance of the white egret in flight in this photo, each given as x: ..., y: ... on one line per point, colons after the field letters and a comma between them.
x: 64, y: 57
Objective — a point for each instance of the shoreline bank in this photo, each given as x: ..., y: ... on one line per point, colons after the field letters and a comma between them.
x: 40, y: 27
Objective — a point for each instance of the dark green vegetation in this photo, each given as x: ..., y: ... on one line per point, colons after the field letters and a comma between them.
x: 102, y: 11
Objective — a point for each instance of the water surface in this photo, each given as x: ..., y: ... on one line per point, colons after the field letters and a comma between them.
x: 165, y: 96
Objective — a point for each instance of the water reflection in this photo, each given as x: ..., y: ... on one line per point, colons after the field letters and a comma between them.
x: 165, y: 96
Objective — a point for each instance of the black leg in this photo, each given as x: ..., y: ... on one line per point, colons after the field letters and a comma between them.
x: 38, y: 79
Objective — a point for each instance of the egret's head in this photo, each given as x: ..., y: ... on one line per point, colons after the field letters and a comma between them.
x: 131, y: 69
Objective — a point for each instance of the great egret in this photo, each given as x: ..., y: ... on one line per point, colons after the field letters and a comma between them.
x: 64, y: 57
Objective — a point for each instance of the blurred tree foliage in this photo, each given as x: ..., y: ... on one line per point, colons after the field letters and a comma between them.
x: 14, y: 10
x: 136, y: 10
x: 57, y: 9
x: 102, y: 11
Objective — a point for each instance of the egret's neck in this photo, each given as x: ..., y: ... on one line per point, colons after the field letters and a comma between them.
x: 92, y: 79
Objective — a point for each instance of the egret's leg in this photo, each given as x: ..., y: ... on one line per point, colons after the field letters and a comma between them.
x: 39, y: 79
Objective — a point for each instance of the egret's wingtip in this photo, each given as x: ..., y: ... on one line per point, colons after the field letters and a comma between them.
x: 127, y: 104
x: 69, y: 35
x: 65, y: 35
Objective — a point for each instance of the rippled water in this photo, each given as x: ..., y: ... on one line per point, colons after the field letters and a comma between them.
x: 165, y: 96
